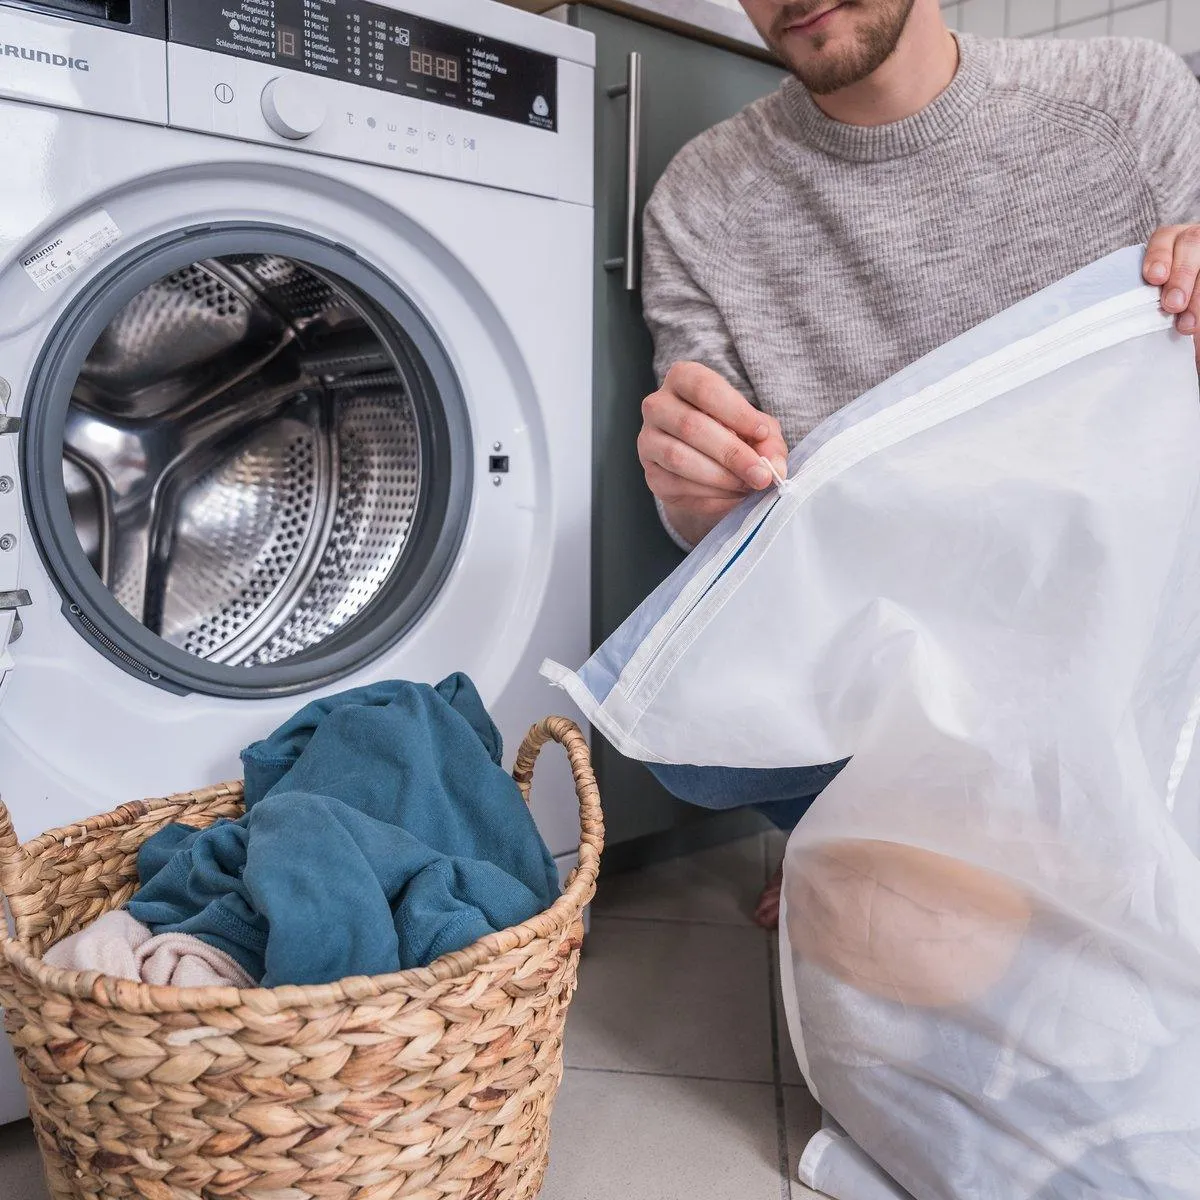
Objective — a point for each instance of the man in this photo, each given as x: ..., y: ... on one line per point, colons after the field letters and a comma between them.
x: 904, y: 186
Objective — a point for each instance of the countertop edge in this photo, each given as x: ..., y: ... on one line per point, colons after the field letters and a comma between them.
x: 699, y: 18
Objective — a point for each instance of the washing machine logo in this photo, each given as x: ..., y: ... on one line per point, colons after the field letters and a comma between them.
x: 540, y: 107
x: 44, y: 252
x: 45, y: 57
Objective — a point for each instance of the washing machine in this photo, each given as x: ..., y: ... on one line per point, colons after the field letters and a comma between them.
x: 295, y: 370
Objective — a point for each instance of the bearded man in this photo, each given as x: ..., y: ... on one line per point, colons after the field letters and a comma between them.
x: 906, y: 184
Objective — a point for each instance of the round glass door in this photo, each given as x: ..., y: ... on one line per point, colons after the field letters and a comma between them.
x: 247, y: 467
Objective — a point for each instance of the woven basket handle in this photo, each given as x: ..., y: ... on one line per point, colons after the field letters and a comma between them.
x: 12, y: 857
x: 591, y: 818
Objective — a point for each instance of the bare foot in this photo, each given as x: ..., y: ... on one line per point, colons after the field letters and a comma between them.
x: 766, y: 914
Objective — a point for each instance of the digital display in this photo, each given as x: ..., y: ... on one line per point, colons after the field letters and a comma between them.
x: 437, y: 66
x: 287, y: 41
x: 366, y: 43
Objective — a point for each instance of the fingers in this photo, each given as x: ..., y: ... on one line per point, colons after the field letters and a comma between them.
x: 1184, y: 277
x: 701, y: 446
x: 675, y: 489
x: 675, y: 457
x: 1177, y: 249
x: 773, y: 448
x: 704, y: 389
x: 686, y: 423
x: 1179, y: 291
x: 1160, y: 252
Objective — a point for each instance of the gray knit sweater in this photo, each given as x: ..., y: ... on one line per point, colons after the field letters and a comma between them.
x: 806, y: 260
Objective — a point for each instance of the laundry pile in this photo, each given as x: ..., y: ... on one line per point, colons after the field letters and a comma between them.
x: 381, y: 832
x: 964, y: 635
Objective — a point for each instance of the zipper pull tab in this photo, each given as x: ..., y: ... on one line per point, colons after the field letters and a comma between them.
x: 780, y: 480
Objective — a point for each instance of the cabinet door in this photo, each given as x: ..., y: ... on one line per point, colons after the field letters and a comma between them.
x: 686, y: 87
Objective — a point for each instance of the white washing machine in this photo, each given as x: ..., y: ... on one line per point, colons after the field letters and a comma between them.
x: 295, y: 371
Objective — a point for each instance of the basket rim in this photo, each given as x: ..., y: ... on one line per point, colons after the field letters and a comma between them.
x: 132, y: 996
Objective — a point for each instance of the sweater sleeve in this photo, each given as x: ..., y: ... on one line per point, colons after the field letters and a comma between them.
x: 684, y: 322
x: 1166, y: 132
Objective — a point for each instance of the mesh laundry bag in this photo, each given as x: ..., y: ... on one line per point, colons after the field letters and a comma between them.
x: 980, y: 583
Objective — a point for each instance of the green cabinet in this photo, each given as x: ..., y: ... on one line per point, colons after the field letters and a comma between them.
x: 685, y: 88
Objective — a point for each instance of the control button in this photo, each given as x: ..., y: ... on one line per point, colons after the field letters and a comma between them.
x: 223, y: 93
x: 449, y: 139
x: 540, y: 107
x: 292, y: 108
x: 370, y: 122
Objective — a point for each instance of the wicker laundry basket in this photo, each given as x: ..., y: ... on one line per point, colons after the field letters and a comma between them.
x: 431, y: 1084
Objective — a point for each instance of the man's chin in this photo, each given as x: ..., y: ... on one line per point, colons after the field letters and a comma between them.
x: 825, y: 76
x: 825, y: 68
x: 850, y: 50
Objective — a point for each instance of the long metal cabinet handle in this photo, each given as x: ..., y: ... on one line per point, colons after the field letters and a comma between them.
x: 633, y: 150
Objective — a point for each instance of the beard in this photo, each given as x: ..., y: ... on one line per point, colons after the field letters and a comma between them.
x: 873, y: 45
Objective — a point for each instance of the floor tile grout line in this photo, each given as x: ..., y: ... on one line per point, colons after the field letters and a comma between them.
x: 669, y: 1075
x: 785, y: 1158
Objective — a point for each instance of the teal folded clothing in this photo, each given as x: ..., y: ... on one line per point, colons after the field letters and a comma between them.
x: 380, y: 833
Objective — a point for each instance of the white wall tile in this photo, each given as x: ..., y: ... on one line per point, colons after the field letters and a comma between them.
x: 1070, y: 11
x: 1029, y: 16
x: 1096, y: 27
x: 1175, y: 20
x: 985, y: 17
x: 1147, y: 20
x: 1185, y: 25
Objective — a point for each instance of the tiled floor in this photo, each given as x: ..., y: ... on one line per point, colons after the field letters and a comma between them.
x: 680, y: 1082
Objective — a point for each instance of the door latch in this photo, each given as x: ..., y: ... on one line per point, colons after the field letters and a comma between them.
x: 12, y: 601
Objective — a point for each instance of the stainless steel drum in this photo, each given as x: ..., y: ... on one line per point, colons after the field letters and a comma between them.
x: 245, y: 460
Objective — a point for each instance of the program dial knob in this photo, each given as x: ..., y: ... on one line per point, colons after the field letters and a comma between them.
x: 292, y: 108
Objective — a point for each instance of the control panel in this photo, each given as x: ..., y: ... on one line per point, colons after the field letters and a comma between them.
x: 377, y: 84
x: 378, y: 47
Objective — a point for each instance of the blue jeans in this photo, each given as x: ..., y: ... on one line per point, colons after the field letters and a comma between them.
x: 782, y: 794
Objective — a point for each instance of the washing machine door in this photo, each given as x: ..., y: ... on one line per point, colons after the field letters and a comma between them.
x: 243, y: 463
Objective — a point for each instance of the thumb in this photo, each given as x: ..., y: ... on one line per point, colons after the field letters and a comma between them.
x: 774, y: 450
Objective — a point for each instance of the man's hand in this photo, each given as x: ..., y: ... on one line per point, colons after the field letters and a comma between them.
x: 701, y: 445
x: 1173, y: 263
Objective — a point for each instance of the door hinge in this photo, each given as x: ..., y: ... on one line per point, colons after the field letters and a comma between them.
x: 9, y: 424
